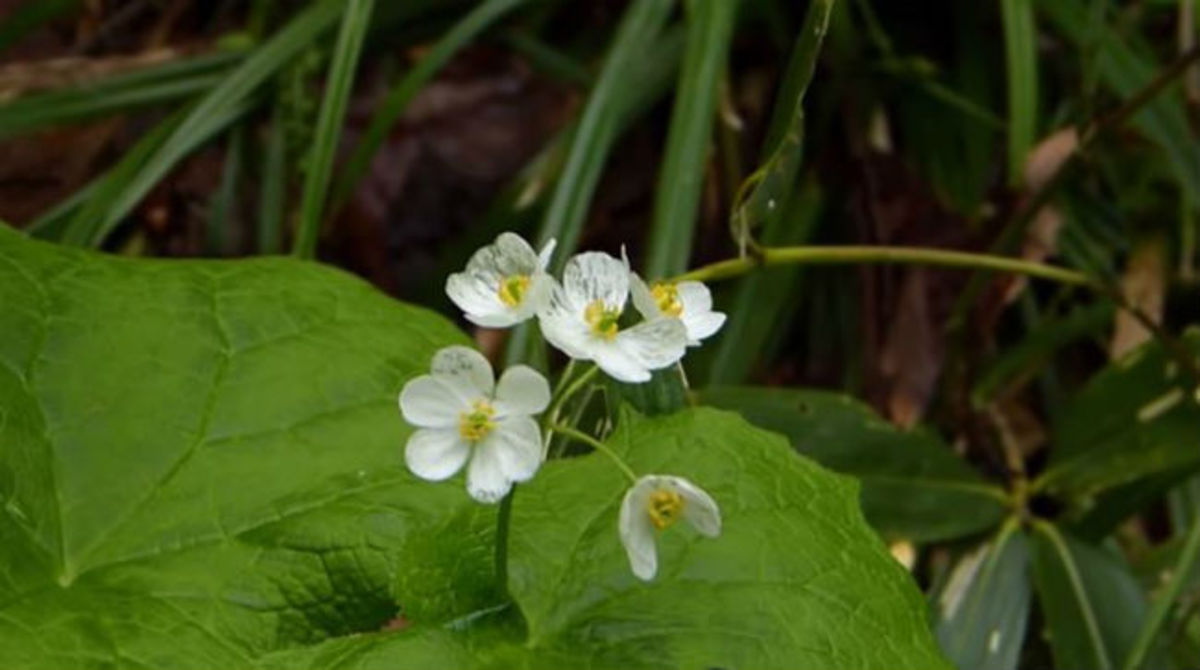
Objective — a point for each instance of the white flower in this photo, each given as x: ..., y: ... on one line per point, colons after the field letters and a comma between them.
x: 582, y: 319
x: 462, y: 413
x: 504, y: 284
x: 655, y: 503
x: 688, y: 301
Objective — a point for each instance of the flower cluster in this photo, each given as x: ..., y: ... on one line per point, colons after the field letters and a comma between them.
x: 464, y: 416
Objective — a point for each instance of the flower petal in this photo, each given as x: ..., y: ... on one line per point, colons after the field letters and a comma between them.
x: 522, y: 390
x: 703, y: 325
x: 509, y: 255
x: 486, y: 479
x: 474, y: 293
x: 694, y: 296
x: 595, y: 275
x: 699, y: 508
x: 429, y: 403
x: 464, y: 370
x: 643, y: 300
x: 436, y: 453
x: 546, y: 253
x: 563, y: 326
x: 636, y: 530
x: 517, y: 443
x: 654, y: 344
x: 618, y: 363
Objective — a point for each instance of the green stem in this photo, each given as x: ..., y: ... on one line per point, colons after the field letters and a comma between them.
x: 503, y: 521
x: 879, y: 254
x: 567, y: 431
x: 560, y: 399
x: 1162, y: 606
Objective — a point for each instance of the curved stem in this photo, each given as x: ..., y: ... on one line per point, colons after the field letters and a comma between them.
x: 567, y: 431
x: 880, y: 254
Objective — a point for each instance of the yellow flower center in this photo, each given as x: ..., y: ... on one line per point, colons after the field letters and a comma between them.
x: 477, y: 423
x: 666, y: 295
x: 512, y: 289
x: 664, y: 508
x: 602, y: 319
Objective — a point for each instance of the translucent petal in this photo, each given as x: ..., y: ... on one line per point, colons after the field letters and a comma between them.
x: 595, y: 276
x: 517, y: 443
x: 563, y: 326
x: 643, y: 300
x: 636, y: 530
x: 617, y: 362
x: 521, y: 390
x: 436, y: 453
x: 429, y: 403
x: 546, y: 253
x: 654, y: 344
x: 509, y: 255
x: 486, y: 479
x: 699, y: 508
x: 464, y: 370
x: 703, y: 325
x: 694, y: 296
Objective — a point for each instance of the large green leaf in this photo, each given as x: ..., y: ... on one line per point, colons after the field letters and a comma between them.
x: 1135, y: 420
x: 201, y: 463
x: 795, y: 580
x: 202, y: 468
x: 1092, y: 605
x: 983, y: 610
x: 913, y: 486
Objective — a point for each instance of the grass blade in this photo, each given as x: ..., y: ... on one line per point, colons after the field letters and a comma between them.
x: 398, y: 98
x: 223, y: 206
x: 598, y: 125
x: 1180, y: 576
x: 342, y: 69
x: 677, y: 199
x: 785, y: 138
x: 271, y: 205
x: 224, y: 103
x: 164, y: 83
x: 1020, y: 48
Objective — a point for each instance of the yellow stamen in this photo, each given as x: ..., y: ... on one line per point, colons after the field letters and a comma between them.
x: 512, y: 289
x: 666, y: 295
x: 602, y: 320
x: 664, y: 508
x: 477, y: 423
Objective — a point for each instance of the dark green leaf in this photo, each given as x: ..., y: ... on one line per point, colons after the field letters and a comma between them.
x: 1135, y: 419
x: 983, y: 610
x: 1091, y: 603
x: 913, y: 486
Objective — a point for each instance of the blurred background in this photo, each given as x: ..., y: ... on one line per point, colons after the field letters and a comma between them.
x: 393, y: 138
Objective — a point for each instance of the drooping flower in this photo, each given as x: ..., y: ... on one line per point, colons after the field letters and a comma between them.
x: 689, y: 301
x: 583, y: 320
x: 653, y: 504
x: 504, y: 283
x: 463, y: 414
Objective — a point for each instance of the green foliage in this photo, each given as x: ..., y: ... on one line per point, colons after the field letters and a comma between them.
x: 913, y: 486
x: 203, y: 469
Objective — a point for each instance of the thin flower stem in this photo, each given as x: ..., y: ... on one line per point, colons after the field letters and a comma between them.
x: 567, y: 431
x: 825, y: 255
x: 503, y: 521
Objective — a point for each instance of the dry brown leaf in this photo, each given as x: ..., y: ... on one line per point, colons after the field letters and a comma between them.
x: 1144, y: 287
